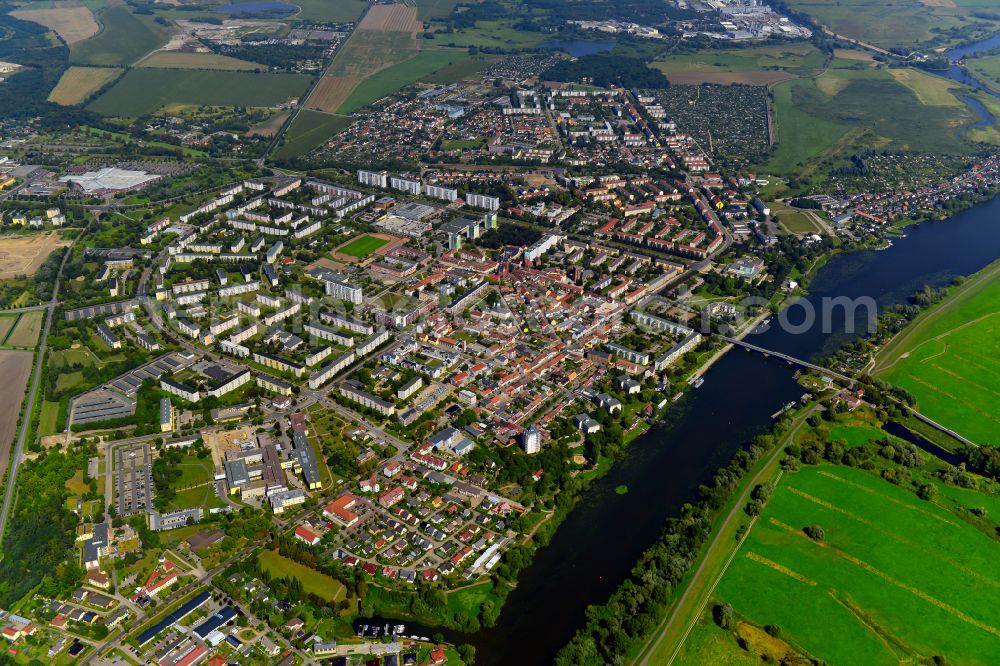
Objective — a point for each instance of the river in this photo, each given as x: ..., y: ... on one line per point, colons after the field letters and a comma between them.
x: 599, y: 542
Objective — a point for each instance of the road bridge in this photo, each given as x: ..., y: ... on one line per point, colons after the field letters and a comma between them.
x: 791, y: 359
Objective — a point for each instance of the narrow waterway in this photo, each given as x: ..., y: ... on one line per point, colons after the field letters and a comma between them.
x: 600, y: 541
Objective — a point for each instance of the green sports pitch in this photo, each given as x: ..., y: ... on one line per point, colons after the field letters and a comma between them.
x: 363, y: 246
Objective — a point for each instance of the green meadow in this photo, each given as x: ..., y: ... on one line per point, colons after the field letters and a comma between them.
x: 391, y: 79
x: 143, y: 91
x: 124, y: 38
x: 895, y: 579
x: 313, y: 582
x: 362, y: 247
x: 949, y: 359
x: 308, y: 131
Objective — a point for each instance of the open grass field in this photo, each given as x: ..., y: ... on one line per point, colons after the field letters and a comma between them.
x: 464, y: 68
x: 821, y: 120
x: 73, y: 24
x: 499, y: 33
x: 15, y: 369
x: 313, y: 582
x: 48, y: 421
x: 391, y: 79
x: 7, y: 322
x: 123, y: 39
x: 363, y: 246
x: 21, y: 255
x: 949, y: 359
x: 78, y: 83
x: 895, y: 580
x: 892, y: 24
x: 434, y: 9
x: 336, y: 11
x: 182, y: 60
x: 986, y: 68
x: 386, y: 36
x: 143, y: 91
x: 25, y: 334
x: 763, y: 65
x: 309, y: 130
x: 203, y: 496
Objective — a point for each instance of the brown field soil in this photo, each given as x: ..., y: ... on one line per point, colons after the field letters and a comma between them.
x: 73, y: 24
x: 331, y: 92
x: 751, y: 77
x: 394, y: 242
x: 386, y: 36
x: 15, y: 368
x: 185, y: 60
x: 330, y: 264
x: 851, y: 54
x: 391, y: 18
x: 949, y: 4
x: 269, y: 127
x: 28, y: 328
x: 77, y: 83
x: 22, y: 255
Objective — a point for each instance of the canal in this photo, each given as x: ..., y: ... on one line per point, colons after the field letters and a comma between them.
x: 599, y: 542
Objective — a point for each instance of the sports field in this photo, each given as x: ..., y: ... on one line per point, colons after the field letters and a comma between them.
x: 123, y: 39
x: 313, y: 582
x: 73, y: 24
x: 143, y: 91
x: 362, y: 247
x: 949, y: 359
x: 895, y: 579
x: 78, y: 83
x: 182, y: 60
x: 385, y: 37
x: 308, y: 131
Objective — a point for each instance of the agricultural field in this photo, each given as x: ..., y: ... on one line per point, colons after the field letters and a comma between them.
x: 825, y: 119
x: 335, y: 11
x: 385, y: 37
x: 363, y: 246
x: 465, y: 68
x: 313, y: 582
x: 765, y: 65
x: 7, y: 322
x: 25, y: 333
x: 393, y: 78
x: 949, y: 359
x: 894, y: 579
x: 72, y: 23
x: 21, y: 255
x: 308, y: 131
x: 79, y: 83
x: 15, y: 369
x: 142, y: 91
x: 182, y: 60
x: 123, y: 39
x: 434, y: 9
x: 900, y: 24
